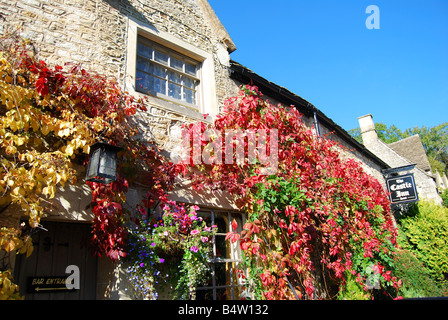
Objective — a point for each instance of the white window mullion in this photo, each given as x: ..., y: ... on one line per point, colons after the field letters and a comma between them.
x: 176, y: 76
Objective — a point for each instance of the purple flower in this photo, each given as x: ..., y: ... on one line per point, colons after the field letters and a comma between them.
x: 142, y: 265
x: 194, y: 249
x: 162, y: 260
x: 153, y: 244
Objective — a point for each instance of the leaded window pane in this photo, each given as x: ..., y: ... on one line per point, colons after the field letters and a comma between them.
x: 161, y: 71
x: 174, y: 91
x: 160, y: 56
x: 190, y: 68
x: 174, y: 77
x: 189, y: 96
x: 176, y: 63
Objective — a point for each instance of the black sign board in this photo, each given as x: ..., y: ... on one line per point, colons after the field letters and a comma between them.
x: 47, y: 285
x: 402, y: 189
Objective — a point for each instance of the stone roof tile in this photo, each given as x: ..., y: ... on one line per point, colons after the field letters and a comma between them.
x: 412, y: 149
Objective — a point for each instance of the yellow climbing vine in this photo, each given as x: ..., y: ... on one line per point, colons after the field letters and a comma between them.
x: 49, y: 117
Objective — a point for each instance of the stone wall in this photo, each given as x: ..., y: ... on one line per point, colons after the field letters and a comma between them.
x: 87, y: 32
x: 94, y: 33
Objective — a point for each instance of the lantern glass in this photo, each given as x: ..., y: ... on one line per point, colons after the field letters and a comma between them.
x: 103, y: 163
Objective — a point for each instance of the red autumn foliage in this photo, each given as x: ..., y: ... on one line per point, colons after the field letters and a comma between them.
x: 95, y: 96
x: 319, y: 218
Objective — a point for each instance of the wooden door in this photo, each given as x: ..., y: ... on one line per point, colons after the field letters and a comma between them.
x: 63, y: 244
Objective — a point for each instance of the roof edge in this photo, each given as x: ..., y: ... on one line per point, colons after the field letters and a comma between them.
x: 217, y: 25
x: 269, y: 88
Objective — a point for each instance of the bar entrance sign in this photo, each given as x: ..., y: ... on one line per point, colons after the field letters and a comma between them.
x: 47, y: 285
x: 402, y: 189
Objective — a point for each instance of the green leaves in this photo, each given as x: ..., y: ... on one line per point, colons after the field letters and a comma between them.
x: 180, y: 236
x: 425, y: 233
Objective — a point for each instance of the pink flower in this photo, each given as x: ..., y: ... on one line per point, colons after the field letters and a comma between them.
x: 194, y: 249
x: 204, y: 239
x: 194, y: 232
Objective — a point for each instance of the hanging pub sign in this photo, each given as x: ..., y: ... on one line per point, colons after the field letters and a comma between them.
x: 402, y: 189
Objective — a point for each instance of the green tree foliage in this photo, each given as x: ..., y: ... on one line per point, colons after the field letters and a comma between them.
x: 385, y: 133
x: 424, y: 232
x: 417, y: 280
x: 444, y: 196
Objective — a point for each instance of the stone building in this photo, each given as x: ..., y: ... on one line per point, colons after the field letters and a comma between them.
x: 403, y: 153
x: 176, y: 53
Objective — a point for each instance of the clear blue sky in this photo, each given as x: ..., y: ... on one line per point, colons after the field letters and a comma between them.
x: 322, y: 51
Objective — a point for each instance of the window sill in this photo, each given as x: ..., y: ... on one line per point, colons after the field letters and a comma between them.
x: 172, y: 107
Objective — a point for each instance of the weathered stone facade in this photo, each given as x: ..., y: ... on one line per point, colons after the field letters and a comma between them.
x: 101, y: 35
x: 96, y: 33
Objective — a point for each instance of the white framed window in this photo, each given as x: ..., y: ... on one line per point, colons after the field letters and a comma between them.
x: 178, y: 74
x: 165, y: 73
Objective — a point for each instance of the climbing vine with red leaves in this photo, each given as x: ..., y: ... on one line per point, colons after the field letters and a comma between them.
x: 101, y: 99
x: 49, y: 118
x: 317, y: 222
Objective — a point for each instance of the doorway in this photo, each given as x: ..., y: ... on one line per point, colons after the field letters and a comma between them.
x: 57, y: 246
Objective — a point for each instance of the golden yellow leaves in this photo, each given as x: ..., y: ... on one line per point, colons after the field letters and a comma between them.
x: 49, y: 191
x: 10, y: 150
x: 24, y: 184
x: 11, y: 95
x: 8, y: 289
x: 11, y: 239
x: 29, y: 165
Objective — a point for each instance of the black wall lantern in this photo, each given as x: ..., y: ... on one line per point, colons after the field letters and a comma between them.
x: 103, y: 163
